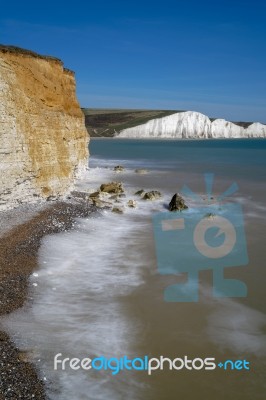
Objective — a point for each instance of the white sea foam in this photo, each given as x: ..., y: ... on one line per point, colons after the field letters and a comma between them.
x: 78, y: 306
x: 77, y: 294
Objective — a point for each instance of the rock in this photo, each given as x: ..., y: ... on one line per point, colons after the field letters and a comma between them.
x: 141, y: 171
x: 153, y: 195
x: 132, y: 203
x: 119, y: 168
x: 43, y: 139
x: 51, y: 198
x: 94, y: 194
x: 139, y: 192
x: 116, y: 197
x: 117, y: 210
x: 112, y: 187
x: 101, y: 204
x: 177, y: 203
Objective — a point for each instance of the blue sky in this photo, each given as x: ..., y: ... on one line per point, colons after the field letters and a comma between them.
x: 204, y: 56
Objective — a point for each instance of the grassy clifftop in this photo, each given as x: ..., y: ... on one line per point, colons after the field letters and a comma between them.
x: 102, y: 122
x: 106, y: 122
x: 19, y: 50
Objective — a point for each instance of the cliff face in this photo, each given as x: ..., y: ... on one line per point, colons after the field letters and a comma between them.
x: 43, y: 139
x: 192, y: 125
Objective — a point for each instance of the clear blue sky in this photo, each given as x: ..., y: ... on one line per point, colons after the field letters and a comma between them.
x: 205, y: 56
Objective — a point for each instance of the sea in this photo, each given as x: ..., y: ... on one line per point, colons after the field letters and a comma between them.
x: 100, y: 291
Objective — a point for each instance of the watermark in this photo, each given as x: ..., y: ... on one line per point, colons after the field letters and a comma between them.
x: 207, y: 237
x: 146, y: 363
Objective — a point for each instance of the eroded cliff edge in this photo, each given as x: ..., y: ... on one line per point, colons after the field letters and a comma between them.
x: 43, y: 139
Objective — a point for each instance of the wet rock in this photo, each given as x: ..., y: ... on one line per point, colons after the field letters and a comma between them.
x: 141, y: 171
x: 132, y: 203
x: 51, y: 198
x: 177, y: 203
x: 152, y: 195
x: 118, y: 210
x: 94, y: 194
x: 112, y: 187
x: 113, y: 197
x: 118, y: 168
x: 140, y: 192
x: 101, y: 204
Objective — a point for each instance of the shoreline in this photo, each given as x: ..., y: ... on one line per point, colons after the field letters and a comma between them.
x: 176, y: 139
x: 18, y: 259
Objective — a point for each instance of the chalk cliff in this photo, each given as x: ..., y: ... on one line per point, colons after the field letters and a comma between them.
x: 192, y: 125
x: 43, y: 139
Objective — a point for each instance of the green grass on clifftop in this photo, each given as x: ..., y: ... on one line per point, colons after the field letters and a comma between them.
x: 107, y: 122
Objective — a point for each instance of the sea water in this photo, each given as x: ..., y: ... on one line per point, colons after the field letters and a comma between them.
x: 98, y: 291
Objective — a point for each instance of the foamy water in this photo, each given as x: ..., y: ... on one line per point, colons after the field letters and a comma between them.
x: 98, y: 292
x: 77, y: 308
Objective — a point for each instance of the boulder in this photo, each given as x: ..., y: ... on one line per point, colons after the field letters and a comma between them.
x: 152, y: 195
x: 117, y: 210
x: 118, y: 168
x: 141, y: 171
x: 101, y: 204
x: 113, y: 197
x: 132, y: 203
x: 112, y: 187
x: 140, y: 192
x: 94, y: 195
x: 177, y: 203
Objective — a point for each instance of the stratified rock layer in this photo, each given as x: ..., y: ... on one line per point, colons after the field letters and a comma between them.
x: 43, y: 140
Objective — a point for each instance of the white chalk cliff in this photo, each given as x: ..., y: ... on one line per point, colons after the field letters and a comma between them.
x: 192, y: 125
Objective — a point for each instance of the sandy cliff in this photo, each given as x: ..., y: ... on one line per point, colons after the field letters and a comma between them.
x: 43, y: 140
x: 192, y: 125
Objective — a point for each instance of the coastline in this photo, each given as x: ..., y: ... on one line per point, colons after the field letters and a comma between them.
x: 18, y: 259
x: 177, y: 139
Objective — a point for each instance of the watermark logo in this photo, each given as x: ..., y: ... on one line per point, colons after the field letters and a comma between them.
x: 210, y: 236
x: 145, y: 363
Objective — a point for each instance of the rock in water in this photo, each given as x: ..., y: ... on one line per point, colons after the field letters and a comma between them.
x: 101, y: 204
x: 117, y: 210
x: 153, y: 195
x: 94, y: 194
x: 118, y: 168
x: 177, y: 203
x: 132, y: 203
x: 141, y: 171
x: 140, y: 192
x: 112, y: 187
